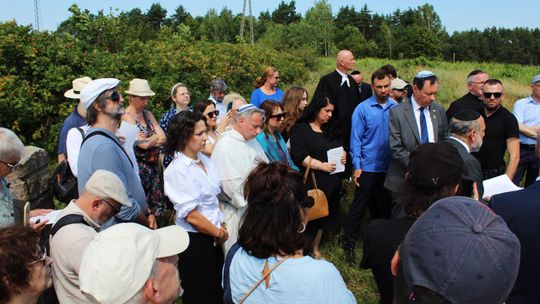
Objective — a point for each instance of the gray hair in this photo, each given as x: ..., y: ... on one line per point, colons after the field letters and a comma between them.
x: 218, y: 84
x: 138, y: 297
x: 249, y: 113
x: 460, y: 127
x: 10, y: 145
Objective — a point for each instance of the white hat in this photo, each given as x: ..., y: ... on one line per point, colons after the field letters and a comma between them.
x: 105, y: 184
x: 92, y: 90
x: 78, y: 84
x: 139, y: 87
x: 118, y: 261
x: 398, y: 84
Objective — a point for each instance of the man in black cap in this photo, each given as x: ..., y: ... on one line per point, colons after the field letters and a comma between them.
x: 473, y: 99
x: 434, y: 172
x: 467, y: 130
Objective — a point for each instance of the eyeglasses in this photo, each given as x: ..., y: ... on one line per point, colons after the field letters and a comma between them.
x: 41, y: 260
x: 114, y: 208
x: 115, y: 96
x: 213, y: 113
x: 477, y: 82
x: 495, y: 94
x: 13, y: 166
x: 279, y: 116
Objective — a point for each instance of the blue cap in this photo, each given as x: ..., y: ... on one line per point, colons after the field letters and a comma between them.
x: 535, y: 79
x: 424, y: 74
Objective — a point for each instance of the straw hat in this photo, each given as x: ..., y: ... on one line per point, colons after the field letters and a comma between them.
x: 78, y: 84
x: 139, y: 87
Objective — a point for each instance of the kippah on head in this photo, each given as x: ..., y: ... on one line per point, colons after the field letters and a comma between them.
x: 424, y: 74
x: 467, y: 115
x: 435, y: 165
x: 355, y: 72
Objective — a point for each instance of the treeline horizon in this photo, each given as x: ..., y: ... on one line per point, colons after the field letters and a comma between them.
x: 411, y: 33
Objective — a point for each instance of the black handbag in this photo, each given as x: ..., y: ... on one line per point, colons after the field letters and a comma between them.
x: 64, y: 183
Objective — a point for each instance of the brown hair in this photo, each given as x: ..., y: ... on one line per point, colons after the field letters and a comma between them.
x: 291, y: 102
x: 19, y: 246
x: 268, y: 106
x: 268, y: 71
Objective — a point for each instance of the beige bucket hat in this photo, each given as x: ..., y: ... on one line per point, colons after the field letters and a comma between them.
x: 78, y: 84
x: 139, y: 87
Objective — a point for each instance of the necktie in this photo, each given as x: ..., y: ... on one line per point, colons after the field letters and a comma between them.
x: 423, y: 127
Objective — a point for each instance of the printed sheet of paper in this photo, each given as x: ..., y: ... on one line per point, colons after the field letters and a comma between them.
x: 334, y: 156
x: 51, y: 217
x: 499, y: 184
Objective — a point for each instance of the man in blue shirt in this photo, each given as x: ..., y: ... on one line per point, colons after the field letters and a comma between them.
x: 527, y: 113
x: 102, y: 149
x: 370, y: 154
x: 76, y: 118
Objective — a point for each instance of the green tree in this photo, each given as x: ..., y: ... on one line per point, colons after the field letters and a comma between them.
x: 286, y: 13
x: 320, y: 27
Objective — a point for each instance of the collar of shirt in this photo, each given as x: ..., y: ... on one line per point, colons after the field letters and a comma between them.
x: 531, y: 100
x: 373, y: 102
x: 73, y: 208
x: 186, y: 160
x: 214, y: 100
x: 461, y: 142
x: 344, y: 78
x: 415, y: 105
x: 236, y: 135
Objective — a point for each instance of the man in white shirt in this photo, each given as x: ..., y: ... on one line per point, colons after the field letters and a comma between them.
x: 235, y: 155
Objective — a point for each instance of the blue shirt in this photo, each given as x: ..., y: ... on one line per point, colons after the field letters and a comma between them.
x: 100, y: 152
x: 74, y: 120
x: 527, y: 112
x: 258, y: 96
x: 370, y: 150
x: 301, y: 280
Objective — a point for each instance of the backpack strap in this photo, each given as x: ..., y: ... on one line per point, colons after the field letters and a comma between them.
x: 67, y: 220
x: 227, y: 294
x: 99, y: 132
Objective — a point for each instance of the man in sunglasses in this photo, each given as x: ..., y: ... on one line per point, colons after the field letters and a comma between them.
x: 527, y: 113
x: 102, y: 149
x: 473, y: 99
x: 103, y: 196
x: 502, y: 134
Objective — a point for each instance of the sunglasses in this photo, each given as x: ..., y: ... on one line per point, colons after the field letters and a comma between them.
x: 213, y: 113
x: 114, y: 208
x: 13, y: 166
x: 115, y: 96
x: 495, y: 94
x: 279, y: 116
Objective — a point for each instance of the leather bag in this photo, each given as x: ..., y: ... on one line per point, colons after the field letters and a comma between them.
x: 320, y: 207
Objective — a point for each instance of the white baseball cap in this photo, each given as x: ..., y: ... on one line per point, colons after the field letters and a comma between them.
x: 92, y: 90
x: 119, y: 260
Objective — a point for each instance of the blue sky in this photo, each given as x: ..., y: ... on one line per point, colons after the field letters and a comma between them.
x: 456, y: 15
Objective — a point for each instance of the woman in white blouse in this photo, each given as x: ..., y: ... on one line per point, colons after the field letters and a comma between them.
x: 192, y: 184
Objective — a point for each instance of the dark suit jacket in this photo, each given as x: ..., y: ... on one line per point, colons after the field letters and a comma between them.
x: 473, y: 171
x: 521, y: 212
x: 345, y: 98
x: 404, y: 137
x: 365, y: 91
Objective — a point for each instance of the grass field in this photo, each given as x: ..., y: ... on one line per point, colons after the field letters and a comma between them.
x: 452, y: 78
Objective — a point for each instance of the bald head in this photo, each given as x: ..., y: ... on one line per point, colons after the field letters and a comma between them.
x: 345, y: 61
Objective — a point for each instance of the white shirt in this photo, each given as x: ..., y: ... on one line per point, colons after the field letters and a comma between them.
x: 344, y: 78
x: 189, y: 187
x: 73, y: 146
x: 235, y: 158
x: 429, y: 123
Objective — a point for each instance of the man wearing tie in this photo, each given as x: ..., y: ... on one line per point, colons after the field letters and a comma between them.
x: 411, y: 124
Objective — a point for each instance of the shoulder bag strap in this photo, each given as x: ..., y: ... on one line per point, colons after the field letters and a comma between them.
x: 227, y: 294
x: 307, y: 169
x: 262, y: 279
x: 98, y: 132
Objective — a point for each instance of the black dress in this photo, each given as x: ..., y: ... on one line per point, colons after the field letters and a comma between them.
x: 304, y: 142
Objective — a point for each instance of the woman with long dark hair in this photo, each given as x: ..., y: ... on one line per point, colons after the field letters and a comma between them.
x: 192, y: 184
x: 311, y: 137
x: 270, y: 246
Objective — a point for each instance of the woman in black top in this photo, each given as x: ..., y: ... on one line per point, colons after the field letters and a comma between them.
x: 311, y: 137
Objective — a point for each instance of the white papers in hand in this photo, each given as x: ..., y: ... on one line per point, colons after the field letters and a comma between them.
x: 334, y: 156
x: 51, y: 217
x: 499, y: 184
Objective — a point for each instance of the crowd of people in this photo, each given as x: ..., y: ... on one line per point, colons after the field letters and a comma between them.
x: 210, y: 202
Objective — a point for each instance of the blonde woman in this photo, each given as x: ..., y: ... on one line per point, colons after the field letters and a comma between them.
x: 266, y: 87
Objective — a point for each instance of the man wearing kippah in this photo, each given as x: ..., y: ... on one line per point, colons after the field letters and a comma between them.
x: 473, y: 99
x: 467, y: 129
x: 411, y: 124
x: 527, y: 113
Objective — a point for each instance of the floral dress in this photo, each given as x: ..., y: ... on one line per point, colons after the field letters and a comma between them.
x: 149, y: 170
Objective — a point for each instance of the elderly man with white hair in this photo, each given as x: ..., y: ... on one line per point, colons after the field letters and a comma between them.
x: 236, y: 153
x: 131, y: 264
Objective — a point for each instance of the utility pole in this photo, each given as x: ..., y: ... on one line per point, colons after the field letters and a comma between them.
x: 242, y: 22
x: 36, y: 12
